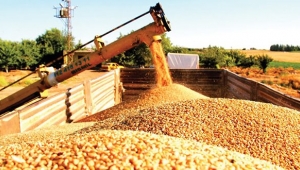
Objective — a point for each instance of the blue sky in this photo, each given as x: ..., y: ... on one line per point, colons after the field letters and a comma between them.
x: 232, y: 24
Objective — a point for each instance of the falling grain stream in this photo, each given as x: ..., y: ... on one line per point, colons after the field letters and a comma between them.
x: 163, y: 76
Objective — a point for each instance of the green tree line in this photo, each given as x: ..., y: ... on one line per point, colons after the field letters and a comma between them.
x: 28, y: 54
x: 50, y: 45
x: 288, y: 48
x: 217, y: 57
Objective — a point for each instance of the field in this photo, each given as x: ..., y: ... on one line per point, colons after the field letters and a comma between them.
x: 278, y: 64
x: 292, y: 57
x: 283, y: 73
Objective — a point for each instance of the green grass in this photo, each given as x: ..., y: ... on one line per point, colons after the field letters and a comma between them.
x: 27, y: 82
x: 3, y: 81
x: 277, y: 64
x: 269, y: 82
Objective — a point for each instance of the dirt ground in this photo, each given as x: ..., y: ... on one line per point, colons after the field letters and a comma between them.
x: 91, y: 74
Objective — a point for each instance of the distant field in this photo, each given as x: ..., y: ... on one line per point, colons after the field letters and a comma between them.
x: 292, y: 57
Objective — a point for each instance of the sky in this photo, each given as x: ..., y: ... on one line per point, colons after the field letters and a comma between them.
x: 231, y: 24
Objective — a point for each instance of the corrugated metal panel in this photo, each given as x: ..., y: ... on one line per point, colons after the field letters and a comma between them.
x: 9, y: 123
x: 54, y: 110
x: 67, y: 109
x: 41, y: 105
x: 107, y: 102
x: 63, y: 108
x: 102, y: 92
x: 43, y: 111
x: 75, y: 103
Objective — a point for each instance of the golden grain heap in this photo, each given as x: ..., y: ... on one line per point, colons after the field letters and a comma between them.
x: 152, y: 97
x: 168, y: 127
x: 124, y: 150
x: 253, y: 129
x: 261, y: 130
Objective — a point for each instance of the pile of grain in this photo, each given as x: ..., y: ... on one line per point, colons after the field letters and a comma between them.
x: 153, y: 97
x: 43, y: 134
x: 264, y: 131
x: 260, y: 130
x: 124, y: 150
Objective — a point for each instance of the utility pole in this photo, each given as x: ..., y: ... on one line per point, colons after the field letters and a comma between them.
x: 65, y: 12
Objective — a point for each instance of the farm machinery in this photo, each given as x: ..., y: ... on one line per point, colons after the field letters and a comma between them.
x: 50, y: 78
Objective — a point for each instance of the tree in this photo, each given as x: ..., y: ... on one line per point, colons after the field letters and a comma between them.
x: 79, y: 44
x: 140, y: 55
x: 277, y: 47
x: 214, y: 57
x: 274, y: 47
x: 166, y: 44
x: 136, y: 56
x: 236, y: 56
x: 52, y: 44
x: 52, y: 41
x: 247, y: 62
x: 263, y: 62
x: 29, y: 53
x: 9, y: 54
x: 209, y: 62
x: 124, y: 58
x: 177, y: 49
